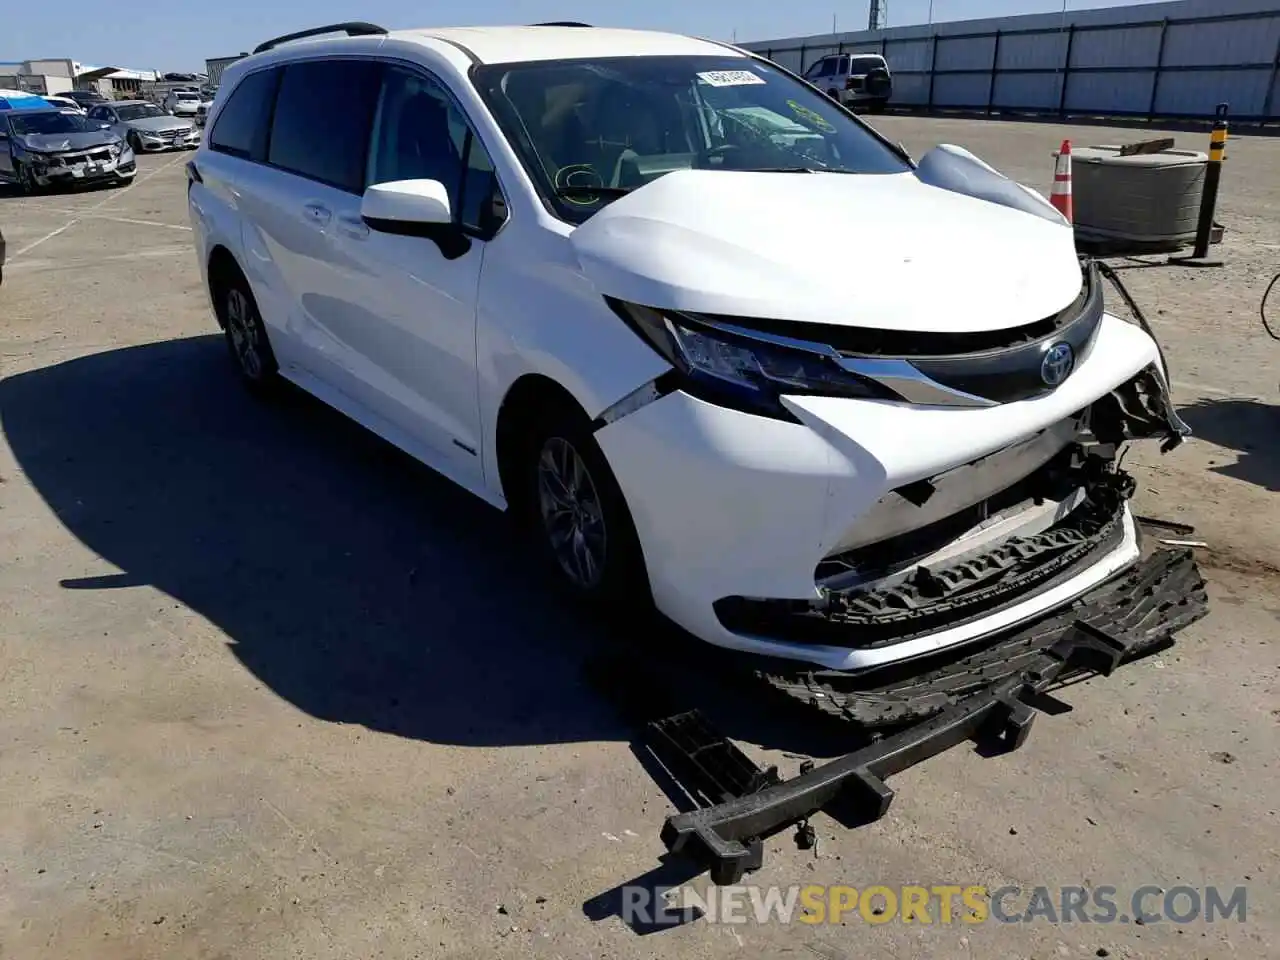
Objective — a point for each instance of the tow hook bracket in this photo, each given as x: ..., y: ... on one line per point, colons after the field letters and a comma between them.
x: 737, y: 804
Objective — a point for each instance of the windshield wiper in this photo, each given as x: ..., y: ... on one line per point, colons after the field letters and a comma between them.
x: 583, y: 190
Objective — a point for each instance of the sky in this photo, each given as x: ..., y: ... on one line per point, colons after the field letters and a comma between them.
x: 179, y: 34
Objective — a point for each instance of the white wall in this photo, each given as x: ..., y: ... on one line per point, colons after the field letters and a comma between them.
x: 50, y: 68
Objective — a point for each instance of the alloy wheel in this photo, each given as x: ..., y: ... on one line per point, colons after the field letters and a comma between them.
x: 572, y: 515
x: 242, y: 327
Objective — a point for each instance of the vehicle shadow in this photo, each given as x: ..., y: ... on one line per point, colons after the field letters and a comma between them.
x: 1250, y: 427
x: 355, y: 583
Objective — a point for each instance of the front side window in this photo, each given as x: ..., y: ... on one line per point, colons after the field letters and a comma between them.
x: 591, y: 130
x: 420, y: 134
x: 323, y: 117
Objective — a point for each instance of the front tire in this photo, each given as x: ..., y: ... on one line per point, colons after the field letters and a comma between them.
x: 26, y: 179
x: 135, y: 142
x: 575, y: 513
x: 246, y: 335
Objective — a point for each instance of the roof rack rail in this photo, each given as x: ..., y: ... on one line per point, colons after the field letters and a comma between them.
x: 561, y: 23
x: 354, y: 28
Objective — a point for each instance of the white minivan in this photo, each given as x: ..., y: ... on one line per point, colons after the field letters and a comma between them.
x: 571, y: 269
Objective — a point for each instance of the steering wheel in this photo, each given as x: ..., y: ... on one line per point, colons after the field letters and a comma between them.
x: 705, y: 157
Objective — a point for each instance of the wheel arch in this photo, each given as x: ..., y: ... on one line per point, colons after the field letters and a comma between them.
x: 222, y: 266
x: 528, y: 397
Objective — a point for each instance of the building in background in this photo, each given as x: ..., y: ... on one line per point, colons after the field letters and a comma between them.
x: 215, y: 65
x: 60, y: 75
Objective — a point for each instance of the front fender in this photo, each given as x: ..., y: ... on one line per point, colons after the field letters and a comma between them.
x: 537, y: 314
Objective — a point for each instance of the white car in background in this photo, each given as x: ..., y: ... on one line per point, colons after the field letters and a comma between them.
x: 64, y: 103
x: 573, y: 270
x: 182, y: 103
x: 855, y: 79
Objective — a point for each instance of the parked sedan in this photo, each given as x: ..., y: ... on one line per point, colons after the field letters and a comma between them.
x: 85, y: 98
x: 40, y: 148
x: 145, y: 126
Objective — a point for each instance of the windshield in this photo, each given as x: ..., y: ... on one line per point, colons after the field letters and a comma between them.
x: 50, y: 122
x: 617, y: 124
x: 184, y: 95
x: 139, y: 111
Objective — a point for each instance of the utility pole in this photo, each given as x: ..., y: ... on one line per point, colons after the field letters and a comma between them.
x: 879, y: 14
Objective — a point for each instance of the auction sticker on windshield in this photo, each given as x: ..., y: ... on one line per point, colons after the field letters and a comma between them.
x: 812, y: 116
x: 729, y: 78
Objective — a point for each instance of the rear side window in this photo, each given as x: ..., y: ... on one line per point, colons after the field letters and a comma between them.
x: 241, y: 129
x: 324, y: 114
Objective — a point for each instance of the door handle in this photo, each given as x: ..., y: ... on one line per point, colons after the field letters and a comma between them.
x: 318, y: 214
x: 353, y: 227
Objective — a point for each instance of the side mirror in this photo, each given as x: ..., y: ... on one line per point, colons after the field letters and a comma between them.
x: 415, y: 208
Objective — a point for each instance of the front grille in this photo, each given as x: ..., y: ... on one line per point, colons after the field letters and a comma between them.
x: 934, y: 344
x: 999, y: 366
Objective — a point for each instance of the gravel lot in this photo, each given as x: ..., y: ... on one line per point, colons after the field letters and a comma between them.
x: 271, y: 690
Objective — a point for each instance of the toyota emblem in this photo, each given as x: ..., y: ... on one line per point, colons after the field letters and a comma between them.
x: 1057, y: 364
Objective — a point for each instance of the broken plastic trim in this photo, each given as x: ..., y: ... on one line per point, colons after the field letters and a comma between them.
x: 1178, y: 429
x: 726, y: 838
x: 637, y: 399
x: 1141, y: 408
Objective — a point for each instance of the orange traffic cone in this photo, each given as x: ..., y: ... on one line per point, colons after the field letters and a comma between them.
x: 1060, y: 195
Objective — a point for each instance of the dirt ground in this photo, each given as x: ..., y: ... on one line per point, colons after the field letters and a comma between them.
x: 269, y: 690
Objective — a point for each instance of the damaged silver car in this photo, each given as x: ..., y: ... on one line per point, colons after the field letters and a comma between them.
x: 44, y: 148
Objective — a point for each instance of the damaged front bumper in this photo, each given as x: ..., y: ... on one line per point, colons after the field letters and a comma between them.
x: 84, y: 166
x: 733, y: 508
x: 1103, y: 630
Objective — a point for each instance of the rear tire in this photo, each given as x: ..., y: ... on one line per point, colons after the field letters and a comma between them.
x: 572, y: 509
x: 245, y: 333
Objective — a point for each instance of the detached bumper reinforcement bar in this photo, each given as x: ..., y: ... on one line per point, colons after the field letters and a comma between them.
x: 726, y: 838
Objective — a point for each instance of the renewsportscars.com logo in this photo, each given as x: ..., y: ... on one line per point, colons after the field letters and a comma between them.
x: 940, y: 904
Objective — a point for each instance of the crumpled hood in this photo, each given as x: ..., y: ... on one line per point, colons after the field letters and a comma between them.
x: 881, y: 251
x: 159, y: 124
x: 55, y: 142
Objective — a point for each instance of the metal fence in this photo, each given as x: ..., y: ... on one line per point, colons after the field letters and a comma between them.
x: 1172, y: 67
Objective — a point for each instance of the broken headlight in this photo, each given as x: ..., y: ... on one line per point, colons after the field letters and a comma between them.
x: 733, y: 368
